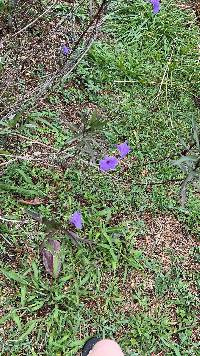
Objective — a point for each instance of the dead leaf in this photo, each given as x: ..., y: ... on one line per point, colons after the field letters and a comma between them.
x: 35, y: 201
x: 51, y: 257
x: 184, y: 6
x: 144, y: 173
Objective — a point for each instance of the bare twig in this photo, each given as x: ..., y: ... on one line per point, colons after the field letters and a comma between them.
x: 94, y: 21
x: 26, y: 158
x: 33, y: 141
x: 40, y: 90
x: 35, y: 20
x: 162, y: 182
x: 66, y: 70
x: 8, y: 162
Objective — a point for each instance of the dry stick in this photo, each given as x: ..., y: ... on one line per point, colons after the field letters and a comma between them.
x: 37, y: 92
x: 92, y: 22
x: 8, y: 162
x: 23, y: 158
x: 168, y: 181
x: 25, y: 28
x: 32, y: 158
x: 35, y: 20
x: 65, y: 71
x: 33, y: 141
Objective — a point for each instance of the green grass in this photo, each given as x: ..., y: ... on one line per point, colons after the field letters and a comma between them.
x: 115, y: 288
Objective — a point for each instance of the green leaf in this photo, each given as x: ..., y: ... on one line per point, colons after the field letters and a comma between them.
x: 17, y: 320
x: 31, y: 325
x: 23, y: 295
x: 37, y: 306
x: 16, y: 119
x: 26, y: 178
x: 13, y: 276
x: 35, y: 270
x: 2, y: 152
x: 22, y: 191
x: 95, y: 123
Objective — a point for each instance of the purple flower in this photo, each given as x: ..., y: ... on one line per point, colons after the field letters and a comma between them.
x: 65, y: 50
x: 124, y: 149
x: 108, y: 163
x: 76, y: 220
x: 156, y: 5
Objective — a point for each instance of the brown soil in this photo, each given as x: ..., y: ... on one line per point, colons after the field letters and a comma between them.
x: 165, y: 235
x: 31, y: 45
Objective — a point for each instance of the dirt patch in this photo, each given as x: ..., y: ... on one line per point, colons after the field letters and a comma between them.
x: 36, y: 43
x: 166, y: 238
x: 193, y: 5
x: 166, y: 234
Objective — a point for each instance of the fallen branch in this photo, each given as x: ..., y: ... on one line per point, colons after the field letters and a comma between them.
x: 31, y: 141
x: 26, y: 158
x: 34, y: 21
x: 162, y: 182
x: 30, y: 99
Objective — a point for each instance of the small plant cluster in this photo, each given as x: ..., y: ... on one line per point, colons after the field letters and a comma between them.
x: 189, y: 162
x: 190, y: 165
x: 51, y: 249
x: 156, y: 8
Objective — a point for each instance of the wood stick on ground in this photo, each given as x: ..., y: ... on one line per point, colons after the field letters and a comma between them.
x: 30, y: 99
x: 34, y: 21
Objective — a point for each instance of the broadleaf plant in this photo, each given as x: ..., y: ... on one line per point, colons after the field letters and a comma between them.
x: 190, y: 164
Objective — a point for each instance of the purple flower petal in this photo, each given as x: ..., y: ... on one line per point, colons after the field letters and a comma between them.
x: 124, y: 149
x: 76, y: 220
x: 108, y: 163
x: 156, y: 5
x: 65, y: 50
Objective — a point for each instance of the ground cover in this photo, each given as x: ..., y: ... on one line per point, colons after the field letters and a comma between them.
x: 138, y: 281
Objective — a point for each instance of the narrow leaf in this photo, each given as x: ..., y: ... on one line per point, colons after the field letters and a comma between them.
x: 13, y: 276
x: 31, y: 325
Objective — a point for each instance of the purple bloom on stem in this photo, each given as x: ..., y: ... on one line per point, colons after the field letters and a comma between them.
x: 108, y: 163
x: 156, y: 5
x: 65, y: 50
x: 123, y: 149
x: 76, y: 220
